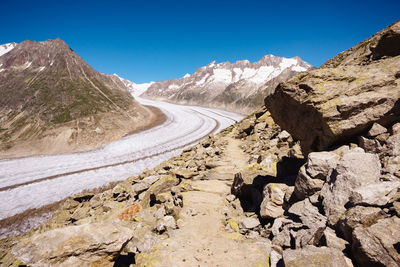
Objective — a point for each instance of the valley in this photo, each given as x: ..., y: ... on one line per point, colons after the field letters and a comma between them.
x: 55, y: 177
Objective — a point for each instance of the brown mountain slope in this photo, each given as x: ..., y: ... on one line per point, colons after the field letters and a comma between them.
x: 52, y: 101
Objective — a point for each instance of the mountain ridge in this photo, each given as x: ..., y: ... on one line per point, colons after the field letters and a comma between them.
x: 238, y: 86
x: 56, y: 102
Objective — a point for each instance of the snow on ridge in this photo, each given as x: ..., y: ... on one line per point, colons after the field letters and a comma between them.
x: 187, y: 75
x: 27, y: 65
x: 5, y: 48
x: 173, y: 86
x: 299, y: 68
x: 222, y: 75
x: 134, y: 88
x: 203, y: 80
x: 288, y: 62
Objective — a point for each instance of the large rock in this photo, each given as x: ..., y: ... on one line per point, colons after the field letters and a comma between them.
x: 321, y: 164
x: 308, y: 214
x: 359, y: 216
x: 82, y: 245
x: 344, y: 97
x: 163, y: 184
x: 311, y: 256
x: 378, y: 194
x: 378, y: 245
x: 355, y: 169
x: 272, y: 204
x: 312, y: 175
x: 305, y: 185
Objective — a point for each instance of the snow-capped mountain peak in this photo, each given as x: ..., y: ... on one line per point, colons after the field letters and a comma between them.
x: 226, y: 82
x: 134, y: 88
x: 5, y: 48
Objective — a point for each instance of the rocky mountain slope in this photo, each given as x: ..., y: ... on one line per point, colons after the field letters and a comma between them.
x: 52, y: 101
x: 239, y: 86
x: 251, y: 195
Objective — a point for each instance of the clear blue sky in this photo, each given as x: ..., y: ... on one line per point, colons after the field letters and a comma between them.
x: 148, y: 40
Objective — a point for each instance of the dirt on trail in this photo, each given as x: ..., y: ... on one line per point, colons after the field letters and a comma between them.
x: 203, y: 238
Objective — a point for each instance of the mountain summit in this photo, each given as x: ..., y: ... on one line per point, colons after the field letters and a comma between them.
x: 52, y: 101
x: 239, y: 86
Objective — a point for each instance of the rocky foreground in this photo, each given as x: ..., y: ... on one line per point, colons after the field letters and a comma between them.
x: 257, y: 194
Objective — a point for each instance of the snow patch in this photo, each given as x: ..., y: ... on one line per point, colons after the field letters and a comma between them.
x: 41, y: 68
x: 1, y: 70
x: 222, y: 75
x: 27, y: 64
x: 238, y: 72
x: 173, y: 86
x: 299, y: 68
x: 288, y: 62
x: 5, y: 48
x: 262, y: 74
x: 248, y: 72
x: 203, y: 80
x: 187, y: 75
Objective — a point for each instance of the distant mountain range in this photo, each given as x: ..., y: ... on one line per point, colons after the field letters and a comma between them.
x: 239, y: 86
x: 52, y: 101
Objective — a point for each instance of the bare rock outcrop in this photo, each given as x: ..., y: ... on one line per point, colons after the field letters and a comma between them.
x: 345, y: 96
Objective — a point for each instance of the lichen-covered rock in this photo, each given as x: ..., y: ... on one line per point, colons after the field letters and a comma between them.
x: 308, y: 214
x: 164, y: 183
x: 378, y: 245
x: 311, y: 256
x: 342, y: 98
x: 80, y: 245
x: 355, y: 169
x: 359, y: 216
x: 249, y: 223
x: 305, y: 185
x: 333, y: 241
x: 272, y: 204
x: 377, y: 194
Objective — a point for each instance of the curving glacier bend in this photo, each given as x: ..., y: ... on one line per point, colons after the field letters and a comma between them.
x: 33, y: 182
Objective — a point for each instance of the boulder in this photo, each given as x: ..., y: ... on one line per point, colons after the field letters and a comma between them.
x: 273, y: 198
x: 333, y: 241
x: 305, y: 237
x: 342, y: 98
x: 282, y: 230
x: 358, y: 216
x: 308, y: 214
x: 249, y: 223
x: 369, y: 145
x: 163, y: 184
x: 392, y: 165
x: 355, y: 169
x: 311, y: 256
x: 393, y: 143
x: 376, y: 130
x: 321, y: 164
x: 166, y: 223
x: 144, y: 184
x: 305, y: 185
x: 185, y: 174
x: 80, y: 245
x: 377, y: 194
x: 378, y: 245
